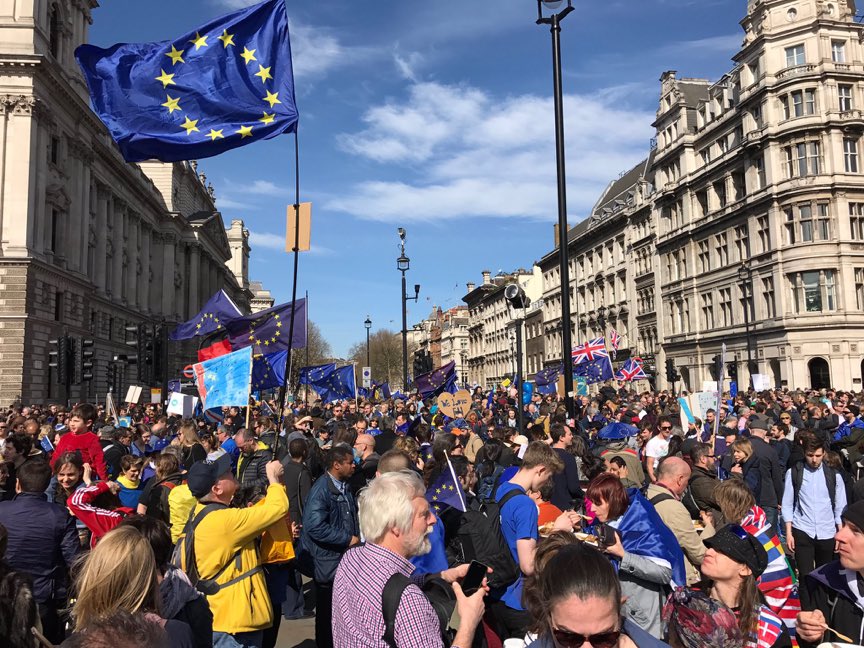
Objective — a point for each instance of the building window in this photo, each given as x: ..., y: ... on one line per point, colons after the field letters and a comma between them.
x: 799, y: 103
x: 55, y: 226
x: 720, y: 192
x: 838, y: 51
x: 856, y: 221
x: 58, y: 306
x: 807, y: 222
x: 768, y: 297
x: 704, y: 255
x: 795, y: 55
x: 722, y: 249
x: 814, y: 291
x: 844, y: 93
x: 54, y: 28
x: 742, y: 242
x: 802, y: 159
x: 850, y: 154
x: 859, y: 288
x: 759, y: 166
x: 707, y: 310
x: 725, y: 307
x: 764, y: 233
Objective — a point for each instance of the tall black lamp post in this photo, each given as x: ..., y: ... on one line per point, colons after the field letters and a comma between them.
x: 368, y: 325
x: 745, y: 276
x: 403, y: 263
x: 554, y: 21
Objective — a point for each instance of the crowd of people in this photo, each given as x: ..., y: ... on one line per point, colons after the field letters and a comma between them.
x: 626, y: 524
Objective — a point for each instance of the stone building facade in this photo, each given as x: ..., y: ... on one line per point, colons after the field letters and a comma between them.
x: 88, y: 243
x: 454, y: 341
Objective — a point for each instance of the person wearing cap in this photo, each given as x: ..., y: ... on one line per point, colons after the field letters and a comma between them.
x: 733, y: 562
x: 771, y: 491
x: 836, y: 589
x: 226, y: 550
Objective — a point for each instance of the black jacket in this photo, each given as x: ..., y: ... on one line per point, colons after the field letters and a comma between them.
x: 329, y: 522
x: 298, y: 482
x: 829, y: 592
x: 182, y: 602
x: 43, y: 543
x: 565, y: 484
x: 770, y: 471
x: 702, y: 484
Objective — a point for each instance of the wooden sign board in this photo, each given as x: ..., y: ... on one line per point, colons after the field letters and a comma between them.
x: 305, y: 237
x: 456, y: 405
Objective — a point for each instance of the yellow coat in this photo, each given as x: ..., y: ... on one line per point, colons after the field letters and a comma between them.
x: 245, y: 605
x: 180, y: 503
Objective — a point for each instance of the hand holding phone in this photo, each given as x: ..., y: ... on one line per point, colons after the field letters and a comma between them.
x: 474, y: 578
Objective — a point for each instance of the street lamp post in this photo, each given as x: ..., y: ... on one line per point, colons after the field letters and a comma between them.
x: 403, y: 263
x: 368, y: 325
x: 745, y: 276
x: 554, y: 21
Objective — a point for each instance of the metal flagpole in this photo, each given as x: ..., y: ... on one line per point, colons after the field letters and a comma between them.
x: 283, y: 390
x: 306, y: 387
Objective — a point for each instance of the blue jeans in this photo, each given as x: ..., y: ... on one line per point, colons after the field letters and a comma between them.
x: 238, y: 640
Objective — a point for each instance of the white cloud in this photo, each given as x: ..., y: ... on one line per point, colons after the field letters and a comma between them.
x: 474, y: 154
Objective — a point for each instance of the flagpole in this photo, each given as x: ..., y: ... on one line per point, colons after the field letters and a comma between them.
x: 456, y: 481
x: 249, y: 394
x: 283, y: 390
x: 306, y: 390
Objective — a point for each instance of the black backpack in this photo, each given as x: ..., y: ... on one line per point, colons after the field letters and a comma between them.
x: 438, y: 592
x: 480, y: 538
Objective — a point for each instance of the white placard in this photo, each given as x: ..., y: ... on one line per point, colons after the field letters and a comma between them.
x: 182, y: 404
x: 155, y: 395
x: 133, y: 394
x: 702, y: 402
x: 761, y: 382
x: 709, y: 386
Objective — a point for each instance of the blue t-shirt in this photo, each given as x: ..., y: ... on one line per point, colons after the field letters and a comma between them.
x: 518, y: 522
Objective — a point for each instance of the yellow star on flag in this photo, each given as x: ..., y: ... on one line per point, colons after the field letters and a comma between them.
x: 190, y: 125
x: 199, y: 41
x: 166, y: 79
x: 172, y: 104
x: 175, y: 55
x: 264, y: 73
x: 248, y: 55
x: 214, y: 135
x: 226, y: 38
x: 272, y: 98
x: 244, y: 132
x: 268, y: 119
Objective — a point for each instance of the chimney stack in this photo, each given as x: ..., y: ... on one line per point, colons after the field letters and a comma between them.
x: 470, y: 286
x: 487, y: 277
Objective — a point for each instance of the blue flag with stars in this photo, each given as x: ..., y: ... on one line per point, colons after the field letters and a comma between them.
x: 436, y: 382
x: 547, y: 379
x: 228, y: 83
x: 594, y: 371
x: 337, y: 384
x: 311, y: 375
x: 268, y: 330
x: 268, y: 370
x: 218, y: 310
x: 446, y: 491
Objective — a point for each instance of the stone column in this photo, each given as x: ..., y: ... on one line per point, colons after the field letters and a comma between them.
x: 194, y: 279
x: 23, y: 157
x: 144, y: 282
x: 132, y: 258
x: 168, y: 288
x: 99, y: 267
x: 118, y: 215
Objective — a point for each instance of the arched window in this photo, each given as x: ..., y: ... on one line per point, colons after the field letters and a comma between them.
x: 54, y: 29
x: 820, y: 373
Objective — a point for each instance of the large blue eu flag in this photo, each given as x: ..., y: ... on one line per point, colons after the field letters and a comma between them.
x: 311, y: 375
x: 436, y: 382
x: 218, y: 310
x: 268, y: 330
x: 268, y: 370
x: 336, y: 384
x: 226, y: 84
x: 594, y: 371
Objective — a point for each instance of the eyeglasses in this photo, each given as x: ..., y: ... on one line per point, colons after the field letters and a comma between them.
x: 785, y: 418
x: 566, y: 639
x: 665, y: 427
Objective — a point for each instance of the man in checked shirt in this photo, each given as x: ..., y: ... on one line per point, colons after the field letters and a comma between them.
x: 396, y: 521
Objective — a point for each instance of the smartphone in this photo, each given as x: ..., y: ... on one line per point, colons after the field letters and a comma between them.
x: 474, y: 578
x: 606, y: 535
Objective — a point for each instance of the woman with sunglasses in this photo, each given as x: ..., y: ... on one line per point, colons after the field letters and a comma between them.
x: 731, y: 567
x: 574, y: 599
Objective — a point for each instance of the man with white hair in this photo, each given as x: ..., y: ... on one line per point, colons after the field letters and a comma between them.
x: 396, y: 521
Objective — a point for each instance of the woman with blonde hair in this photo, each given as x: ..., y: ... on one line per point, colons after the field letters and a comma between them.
x: 191, y: 449
x: 120, y: 574
x: 746, y: 465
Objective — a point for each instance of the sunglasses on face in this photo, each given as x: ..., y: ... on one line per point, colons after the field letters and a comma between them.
x: 565, y: 639
x: 665, y: 427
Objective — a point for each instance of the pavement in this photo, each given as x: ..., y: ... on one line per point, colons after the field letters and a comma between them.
x: 297, y: 634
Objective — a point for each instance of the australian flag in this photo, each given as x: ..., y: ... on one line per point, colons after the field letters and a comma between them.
x: 546, y: 379
x: 268, y: 330
x: 438, y: 381
x: 446, y: 491
x: 225, y: 84
x: 268, y: 370
x: 335, y: 384
x: 594, y: 371
x: 218, y: 310
x: 632, y: 370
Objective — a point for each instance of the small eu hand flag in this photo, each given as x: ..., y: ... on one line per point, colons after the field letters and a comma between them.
x: 227, y: 84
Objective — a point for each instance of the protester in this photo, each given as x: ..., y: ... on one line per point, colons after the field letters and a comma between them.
x: 658, y: 447
x: 154, y: 498
x: 566, y: 491
x: 82, y: 439
x: 118, y: 446
x: 396, y: 521
x: 18, y: 608
x: 703, y: 481
x: 191, y: 450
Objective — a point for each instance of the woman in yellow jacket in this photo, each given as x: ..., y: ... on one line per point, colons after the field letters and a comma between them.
x: 226, y: 552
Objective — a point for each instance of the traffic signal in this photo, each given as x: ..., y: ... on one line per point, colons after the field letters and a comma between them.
x: 716, y: 368
x: 732, y: 371
x: 419, y: 363
x: 158, y: 353
x: 145, y: 368
x: 427, y: 362
x: 58, y: 359
x: 136, y: 342
x: 672, y: 374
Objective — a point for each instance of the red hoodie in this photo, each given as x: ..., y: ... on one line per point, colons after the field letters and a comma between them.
x: 87, y: 444
x: 100, y: 521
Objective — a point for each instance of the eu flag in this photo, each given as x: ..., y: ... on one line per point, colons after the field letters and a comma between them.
x: 218, y: 310
x: 268, y: 370
x: 267, y: 330
x: 446, y: 491
x: 594, y: 371
x: 228, y: 83
x: 547, y: 379
x: 338, y: 384
x: 311, y: 375
x: 225, y: 380
x: 438, y: 381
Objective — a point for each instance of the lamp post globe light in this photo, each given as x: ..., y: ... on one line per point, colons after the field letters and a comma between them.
x: 548, y: 14
x: 403, y: 264
x: 745, y: 276
x: 368, y: 325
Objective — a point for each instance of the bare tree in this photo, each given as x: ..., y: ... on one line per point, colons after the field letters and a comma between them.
x: 385, y: 352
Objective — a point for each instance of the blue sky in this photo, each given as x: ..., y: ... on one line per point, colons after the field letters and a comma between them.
x: 437, y: 117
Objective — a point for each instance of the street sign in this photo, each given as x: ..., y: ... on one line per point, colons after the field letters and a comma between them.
x: 367, y: 377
